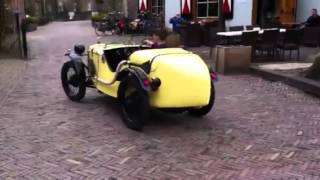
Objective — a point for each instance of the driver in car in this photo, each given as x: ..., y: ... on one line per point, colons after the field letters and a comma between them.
x: 157, y: 40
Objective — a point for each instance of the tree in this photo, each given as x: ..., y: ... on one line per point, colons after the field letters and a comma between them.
x: 2, y: 20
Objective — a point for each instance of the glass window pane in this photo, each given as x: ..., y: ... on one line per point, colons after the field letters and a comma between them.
x: 160, y: 2
x: 154, y: 10
x: 161, y: 10
x: 202, y: 10
x: 153, y: 2
x: 213, y: 9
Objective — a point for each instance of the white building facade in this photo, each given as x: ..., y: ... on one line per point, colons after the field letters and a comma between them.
x: 245, y: 12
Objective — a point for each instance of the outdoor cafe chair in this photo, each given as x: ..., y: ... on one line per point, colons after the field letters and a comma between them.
x: 311, y: 36
x: 191, y: 35
x: 236, y: 40
x: 251, y: 27
x: 236, y: 28
x: 206, y: 31
x: 268, y: 42
x: 290, y: 42
x: 215, y: 39
x: 250, y: 38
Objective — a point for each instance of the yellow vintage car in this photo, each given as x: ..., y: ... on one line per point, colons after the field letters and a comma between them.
x: 141, y: 78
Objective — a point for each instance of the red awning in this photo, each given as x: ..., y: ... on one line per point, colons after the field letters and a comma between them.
x: 142, y: 5
x: 185, y: 5
x: 227, y: 7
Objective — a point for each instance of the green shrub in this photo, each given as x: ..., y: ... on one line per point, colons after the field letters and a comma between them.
x: 43, y: 21
x: 32, y: 20
x: 99, y: 16
x: 314, y: 71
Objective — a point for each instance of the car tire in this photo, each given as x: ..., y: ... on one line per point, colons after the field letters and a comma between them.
x: 134, y: 102
x: 202, y: 111
x: 98, y: 32
x: 73, y: 83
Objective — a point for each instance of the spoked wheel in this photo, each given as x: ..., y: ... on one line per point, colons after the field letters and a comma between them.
x: 134, y: 104
x: 201, y: 111
x: 74, y: 84
x: 98, y: 32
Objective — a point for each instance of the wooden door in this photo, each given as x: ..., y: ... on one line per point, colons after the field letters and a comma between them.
x: 254, y: 12
x: 287, y: 10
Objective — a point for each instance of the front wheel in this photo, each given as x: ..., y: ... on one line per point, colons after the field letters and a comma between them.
x: 73, y: 82
x: 99, y: 30
x: 201, y: 111
x: 134, y: 103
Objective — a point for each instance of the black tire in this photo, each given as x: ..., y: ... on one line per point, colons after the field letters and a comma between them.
x: 73, y: 83
x: 202, y: 111
x: 134, y: 104
x: 98, y: 32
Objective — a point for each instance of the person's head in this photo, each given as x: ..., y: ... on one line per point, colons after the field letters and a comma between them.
x: 149, y: 35
x: 314, y: 12
x: 159, y: 35
x: 178, y: 15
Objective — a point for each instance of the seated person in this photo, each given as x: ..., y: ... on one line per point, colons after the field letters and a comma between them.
x: 314, y: 19
x: 176, y: 23
x: 157, y: 40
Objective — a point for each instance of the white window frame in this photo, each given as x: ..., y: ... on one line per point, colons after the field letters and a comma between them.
x: 208, y: 2
x: 157, y: 6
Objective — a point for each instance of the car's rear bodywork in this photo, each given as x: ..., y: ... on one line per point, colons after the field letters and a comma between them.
x: 185, y: 78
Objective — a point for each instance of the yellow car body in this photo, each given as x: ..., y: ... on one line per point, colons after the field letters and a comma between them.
x: 185, y: 78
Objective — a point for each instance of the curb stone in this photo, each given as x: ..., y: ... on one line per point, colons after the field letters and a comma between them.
x: 301, y: 83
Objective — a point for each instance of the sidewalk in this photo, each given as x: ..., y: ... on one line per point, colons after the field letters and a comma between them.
x: 291, y: 73
x: 10, y: 72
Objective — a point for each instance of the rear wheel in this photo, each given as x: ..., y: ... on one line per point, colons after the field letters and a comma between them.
x: 201, y: 111
x: 74, y: 84
x: 134, y: 104
x: 99, y: 30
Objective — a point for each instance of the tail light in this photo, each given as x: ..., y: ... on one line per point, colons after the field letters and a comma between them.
x: 214, y: 76
x: 146, y: 82
x: 154, y: 83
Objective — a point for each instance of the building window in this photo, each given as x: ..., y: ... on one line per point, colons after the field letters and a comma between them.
x: 157, y: 7
x: 207, y: 8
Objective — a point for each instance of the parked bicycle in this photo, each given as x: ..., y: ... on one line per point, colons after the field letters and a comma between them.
x: 144, y: 23
x: 113, y: 24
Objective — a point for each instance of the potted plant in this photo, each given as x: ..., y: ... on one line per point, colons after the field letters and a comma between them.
x: 31, y: 23
x: 98, y: 17
x: 314, y: 71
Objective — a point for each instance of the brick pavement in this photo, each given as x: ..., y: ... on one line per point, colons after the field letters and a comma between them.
x: 11, y: 71
x: 258, y: 129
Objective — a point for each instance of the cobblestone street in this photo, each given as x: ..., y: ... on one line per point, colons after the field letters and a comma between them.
x: 257, y: 130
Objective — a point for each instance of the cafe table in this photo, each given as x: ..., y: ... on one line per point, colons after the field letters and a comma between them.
x: 239, y: 33
x: 230, y: 35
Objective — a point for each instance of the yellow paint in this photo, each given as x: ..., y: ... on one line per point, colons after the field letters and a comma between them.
x: 185, y: 78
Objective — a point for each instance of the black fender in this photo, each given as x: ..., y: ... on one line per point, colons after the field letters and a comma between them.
x: 79, y: 66
x: 138, y: 74
x: 76, y: 61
